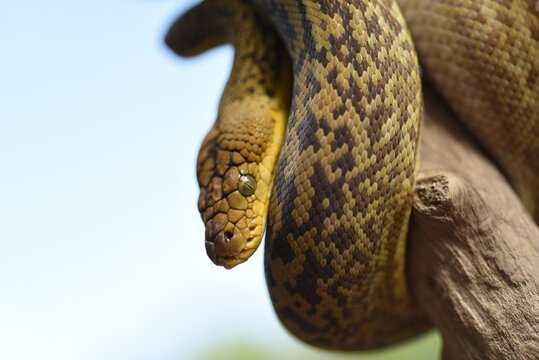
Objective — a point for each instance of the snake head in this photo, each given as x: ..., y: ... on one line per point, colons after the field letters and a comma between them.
x: 234, y: 221
x: 234, y: 173
x: 237, y: 159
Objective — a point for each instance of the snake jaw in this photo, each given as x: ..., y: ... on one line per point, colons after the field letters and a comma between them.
x: 229, y: 239
x: 231, y: 251
x: 228, y: 262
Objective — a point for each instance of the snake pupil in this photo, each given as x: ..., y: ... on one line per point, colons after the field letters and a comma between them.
x: 247, y: 185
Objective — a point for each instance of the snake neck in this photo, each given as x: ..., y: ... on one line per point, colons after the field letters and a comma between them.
x: 261, y: 67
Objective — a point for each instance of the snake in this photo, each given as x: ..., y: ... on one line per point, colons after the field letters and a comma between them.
x: 317, y: 135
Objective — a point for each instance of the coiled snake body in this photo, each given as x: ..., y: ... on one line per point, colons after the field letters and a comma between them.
x: 319, y: 134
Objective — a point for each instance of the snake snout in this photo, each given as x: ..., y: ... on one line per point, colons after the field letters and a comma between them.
x: 223, y: 246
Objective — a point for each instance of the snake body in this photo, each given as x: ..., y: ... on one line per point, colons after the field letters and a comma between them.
x: 483, y: 56
x: 325, y: 147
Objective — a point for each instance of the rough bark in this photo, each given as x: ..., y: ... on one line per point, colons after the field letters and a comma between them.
x: 473, y: 249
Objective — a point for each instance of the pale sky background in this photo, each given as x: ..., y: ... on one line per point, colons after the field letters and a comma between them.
x: 101, y: 245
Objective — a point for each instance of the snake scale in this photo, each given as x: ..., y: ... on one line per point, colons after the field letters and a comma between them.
x: 317, y: 135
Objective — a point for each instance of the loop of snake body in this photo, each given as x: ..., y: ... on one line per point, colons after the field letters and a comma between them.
x: 317, y: 137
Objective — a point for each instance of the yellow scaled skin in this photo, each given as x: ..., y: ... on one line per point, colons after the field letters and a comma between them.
x: 237, y: 159
x: 340, y: 193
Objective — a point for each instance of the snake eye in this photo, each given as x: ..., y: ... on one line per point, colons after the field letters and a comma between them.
x: 247, y: 185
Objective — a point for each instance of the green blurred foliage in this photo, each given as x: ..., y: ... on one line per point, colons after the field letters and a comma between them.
x: 426, y: 347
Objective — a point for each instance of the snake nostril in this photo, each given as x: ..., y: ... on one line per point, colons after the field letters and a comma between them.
x: 228, y: 235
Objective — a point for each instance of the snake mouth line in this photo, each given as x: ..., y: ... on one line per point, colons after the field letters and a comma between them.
x: 229, y: 261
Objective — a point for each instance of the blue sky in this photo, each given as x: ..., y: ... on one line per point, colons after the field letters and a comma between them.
x: 101, y: 244
x: 101, y: 250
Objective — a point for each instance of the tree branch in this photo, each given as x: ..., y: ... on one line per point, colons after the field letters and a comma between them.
x: 473, y: 260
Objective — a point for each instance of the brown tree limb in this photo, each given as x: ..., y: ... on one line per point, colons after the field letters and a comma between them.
x: 473, y: 249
